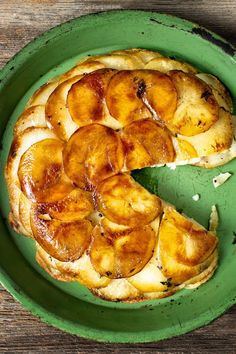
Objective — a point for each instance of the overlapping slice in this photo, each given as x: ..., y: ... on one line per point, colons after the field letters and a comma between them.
x: 65, y: 241
x: 93, y: 153
x: 124, y: 201
x: 146, y: 143
x: 33, y: 116
x: 41, y: 172
x: 197, y: 108
x: 216, y: 139
x: 138, y: 94
x: 86, y: 97
x: 79, y: 270
x: 56, y: 110
x: 164, y: 65
x: 183, y: 247
x: 60, y: 228
x: 121, y: 254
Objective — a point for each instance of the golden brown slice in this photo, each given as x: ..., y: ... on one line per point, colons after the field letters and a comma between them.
x: 197, y: 108
x: 41, y: 172
x: 146, y: 143
x: 65, y: 241
x: 164, y: 65
x: 132, y: 95
x: 120, y: 255
x: 77, y: 205
x: 183, y: 246
x: 93, y: 153
x: 86, y: 97
x: 216, y: 139
x: 56, y: 110
x: 220, y: 92
x: 124, y: 201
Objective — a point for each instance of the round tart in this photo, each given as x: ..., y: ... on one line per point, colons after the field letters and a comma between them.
x: 69, y: 172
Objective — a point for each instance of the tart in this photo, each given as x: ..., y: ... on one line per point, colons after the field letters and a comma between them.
x: 69, y: 172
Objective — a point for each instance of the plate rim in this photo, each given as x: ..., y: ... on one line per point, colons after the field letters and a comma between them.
x: 10, y: 285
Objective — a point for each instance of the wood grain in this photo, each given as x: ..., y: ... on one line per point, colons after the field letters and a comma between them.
x: 21, y: 21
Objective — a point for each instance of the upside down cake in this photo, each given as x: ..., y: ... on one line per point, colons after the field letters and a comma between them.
x: 69, y: 172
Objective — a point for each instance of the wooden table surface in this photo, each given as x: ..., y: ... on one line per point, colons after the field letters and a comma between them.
x: 21, y: 21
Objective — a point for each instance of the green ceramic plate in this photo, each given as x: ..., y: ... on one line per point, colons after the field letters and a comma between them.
x: 69, y: 306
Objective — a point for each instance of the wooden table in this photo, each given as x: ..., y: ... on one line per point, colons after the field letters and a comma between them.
x: 21, y: 21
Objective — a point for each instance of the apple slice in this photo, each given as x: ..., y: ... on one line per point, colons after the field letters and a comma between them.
x: 93, y: 153
x: 197, y: 108
x: 146, y: 143
x: 86, y: 97
x: 125, y: 202
x: 139, y: 94
x: 118, y: 255
x: 41, y: 172
x: 183, y: 246
x: 65, y: 241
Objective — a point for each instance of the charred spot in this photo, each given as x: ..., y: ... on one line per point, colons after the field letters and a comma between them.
x: 199, y: 123
x: 206, y: 94
x: 108, y: 273
x: 132, y: 270
x: 141, y: 89
x: 168, y: 283
x: 59, y: 123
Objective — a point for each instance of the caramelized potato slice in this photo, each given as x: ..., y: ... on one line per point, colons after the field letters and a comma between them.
x: 77, y: 205
x: 57, y: 113
x: 146, y: 143
x: 216, y: 139
x: 86, y: 97
x: 93, y: 153
x: 41, y: 173
x: 183, y: 246
x: 166, y: 64
x: 65, y: 241
x: 138, y: 94
x: 220, y: 92
x: 120, y: 256
x: 197, y: 108
x: 124, y: 201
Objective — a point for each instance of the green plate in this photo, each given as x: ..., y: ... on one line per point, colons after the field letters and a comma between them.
x: 70, y: 306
